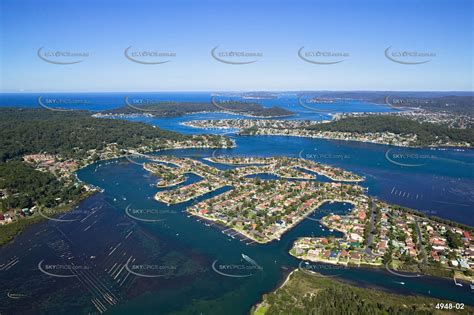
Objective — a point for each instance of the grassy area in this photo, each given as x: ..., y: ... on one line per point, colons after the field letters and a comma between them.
x: 306, y: 294
x: 9, y: 231
x: 261, y: 309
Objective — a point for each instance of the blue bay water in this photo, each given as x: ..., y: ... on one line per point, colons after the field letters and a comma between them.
x: 439, y: 182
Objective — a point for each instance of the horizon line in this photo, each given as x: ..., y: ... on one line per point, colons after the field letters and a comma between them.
x: 243, y: 91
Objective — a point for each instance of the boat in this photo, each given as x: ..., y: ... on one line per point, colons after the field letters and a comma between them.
x: 457, y: 283
x: 250, y: 260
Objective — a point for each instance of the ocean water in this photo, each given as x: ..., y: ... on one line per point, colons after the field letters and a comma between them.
x: 100, y: 237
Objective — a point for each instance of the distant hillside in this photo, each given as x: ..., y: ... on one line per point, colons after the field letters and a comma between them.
x: 73, y: 133
x: 456, y: 103
x: 175, y: 109
x: 452, y: 104
x: 427, y: 133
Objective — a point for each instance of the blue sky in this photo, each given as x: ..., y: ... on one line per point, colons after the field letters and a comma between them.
x: 361, y: 30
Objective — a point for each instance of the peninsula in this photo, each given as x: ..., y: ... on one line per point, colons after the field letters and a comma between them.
x: 395, y: 238
x: 44, y: 148
x: 374, y: 233
x: 304, y: 293
x: 176, y: 109
x: 261, y: 210
x: 390, y: 129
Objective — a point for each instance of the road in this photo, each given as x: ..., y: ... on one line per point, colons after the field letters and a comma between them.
x: 420, y: 242
x: 370, y: 238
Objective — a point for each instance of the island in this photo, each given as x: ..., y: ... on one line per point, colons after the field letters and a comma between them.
x: 176, y: 109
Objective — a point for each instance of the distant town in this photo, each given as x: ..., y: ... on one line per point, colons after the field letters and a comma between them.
x: 296, y: 128
x: 404, y: 129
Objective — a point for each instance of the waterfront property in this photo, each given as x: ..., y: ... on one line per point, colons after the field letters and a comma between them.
x: 261, y: 210
x: 386, y: 235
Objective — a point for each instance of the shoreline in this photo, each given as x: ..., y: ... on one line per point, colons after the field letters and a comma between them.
x: 262, y: 305
x: 23, y: 223
x: 289, y: 227
x: 380, y: 266
x: 331, y: 177
x: 187, y: 199
x: 149, y: 114
x: 256, y: 307
x: 158, y: 185
x: 364, y: 141
x: 38, y: 218
x: 239, y: 132
x: 221, y: 224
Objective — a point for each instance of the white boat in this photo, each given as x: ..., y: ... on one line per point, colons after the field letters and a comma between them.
x: 250, y: 260
x: 457, y: 283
